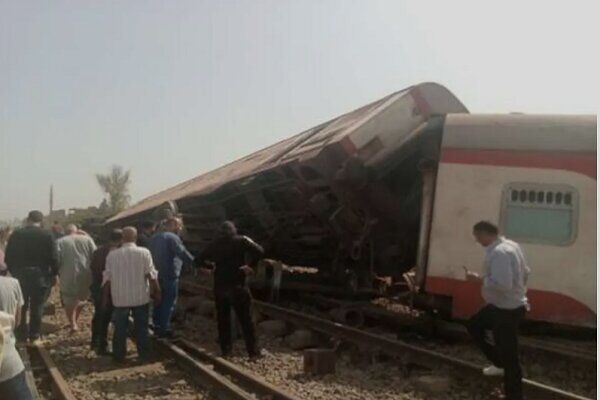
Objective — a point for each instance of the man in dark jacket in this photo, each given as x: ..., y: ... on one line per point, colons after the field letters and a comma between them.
x: 233, y: 255
x: 31, y: 258
x: 102, y: 313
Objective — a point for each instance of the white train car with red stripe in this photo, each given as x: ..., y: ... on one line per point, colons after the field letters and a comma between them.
x: 397, y: 185
x: 535, y: 176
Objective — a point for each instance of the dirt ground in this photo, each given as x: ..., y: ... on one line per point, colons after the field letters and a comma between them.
x: 98, y: 377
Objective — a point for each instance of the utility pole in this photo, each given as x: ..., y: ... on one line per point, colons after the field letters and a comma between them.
x: 51, y: 200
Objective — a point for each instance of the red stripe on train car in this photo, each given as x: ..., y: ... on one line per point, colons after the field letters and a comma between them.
x: 545, y: 305
x: 583, y: 163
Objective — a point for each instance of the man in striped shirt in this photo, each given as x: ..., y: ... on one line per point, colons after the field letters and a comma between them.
x: 131, y: 281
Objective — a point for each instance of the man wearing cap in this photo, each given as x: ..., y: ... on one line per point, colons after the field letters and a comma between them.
x: 232, y: 255
x: 31, y: 258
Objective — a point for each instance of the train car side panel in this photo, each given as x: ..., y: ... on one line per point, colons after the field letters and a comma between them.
x: 545, y: 201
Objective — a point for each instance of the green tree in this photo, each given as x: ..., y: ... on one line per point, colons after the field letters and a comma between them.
x: 116, y: 185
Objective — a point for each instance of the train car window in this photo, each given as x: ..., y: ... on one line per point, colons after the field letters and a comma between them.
x: 514, y: 195
x: 537, y: 213
x: 540, y: 197
x: 568, y: 198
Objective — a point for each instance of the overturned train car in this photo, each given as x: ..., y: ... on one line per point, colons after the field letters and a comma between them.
x: 395, y: 186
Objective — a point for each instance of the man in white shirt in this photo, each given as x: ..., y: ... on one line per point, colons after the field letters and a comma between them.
x: 131, y: 281
x: 504, y: 291
x: 11, y: 296
x: 13, y: 384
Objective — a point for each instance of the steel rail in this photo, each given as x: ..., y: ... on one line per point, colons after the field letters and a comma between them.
x: 575, y: 353
x: 210, y: 372
x: 217, y: 384
x: 412, y: 353
x: 455, y: 329
x: 406, y: 351
x: 244, y: 378
x: 60, y: 387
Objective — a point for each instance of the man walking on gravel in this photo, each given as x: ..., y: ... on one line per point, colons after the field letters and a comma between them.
x: 169, y: 255
x: 232, y: 255
x: 504, y: 291
x: 31, y: 258
x: 74, y: 258
x: 131, y: 281
x: 102, y: 314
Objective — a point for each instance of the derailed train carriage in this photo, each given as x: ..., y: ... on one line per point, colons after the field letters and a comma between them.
x: 395, y: 186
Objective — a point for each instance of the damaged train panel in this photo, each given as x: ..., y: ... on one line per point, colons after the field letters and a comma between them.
x: 345, y: 196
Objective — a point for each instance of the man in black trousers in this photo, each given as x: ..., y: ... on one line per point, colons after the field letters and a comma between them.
x: 31, y: 258
x: 233, y: 256
x: 102, y: 312
x: 504, y: 290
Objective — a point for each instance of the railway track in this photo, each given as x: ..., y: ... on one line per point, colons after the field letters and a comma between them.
x: 569, y: 351
x: 49, y: 374
x: 223, y: 379
x: 454, y: 330
x: 409, y: 353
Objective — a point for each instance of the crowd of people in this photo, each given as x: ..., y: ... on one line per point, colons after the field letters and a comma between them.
x: 139, y: 270
x: 135, y: 273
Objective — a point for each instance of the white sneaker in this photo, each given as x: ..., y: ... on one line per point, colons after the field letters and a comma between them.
x: 492, y: 370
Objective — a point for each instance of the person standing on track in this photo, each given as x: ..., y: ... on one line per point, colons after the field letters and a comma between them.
x: 13, y: 384
x: 233, y: 255
x: 102, y: 314
x: 74, y: 258
x: 169, y: 255
x: 11, y: 296
x: 31, y: 258
x: 504, y: 291
x: 131, y: 281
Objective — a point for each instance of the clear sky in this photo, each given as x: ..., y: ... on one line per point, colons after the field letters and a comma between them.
x: 171, y: 89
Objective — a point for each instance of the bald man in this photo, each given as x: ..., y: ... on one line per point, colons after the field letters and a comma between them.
x: 131, y: 281
x: 74, y: 258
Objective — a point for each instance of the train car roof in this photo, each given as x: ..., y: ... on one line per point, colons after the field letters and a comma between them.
x: 521, y: 132
x: 431, y: 98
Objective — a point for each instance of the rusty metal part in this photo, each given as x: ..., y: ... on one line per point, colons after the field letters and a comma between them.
x: 248, y: 380
x: 412, y: 353
x: 60, y: 387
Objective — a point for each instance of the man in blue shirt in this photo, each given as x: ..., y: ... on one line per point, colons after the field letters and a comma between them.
x: 169, y: 255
